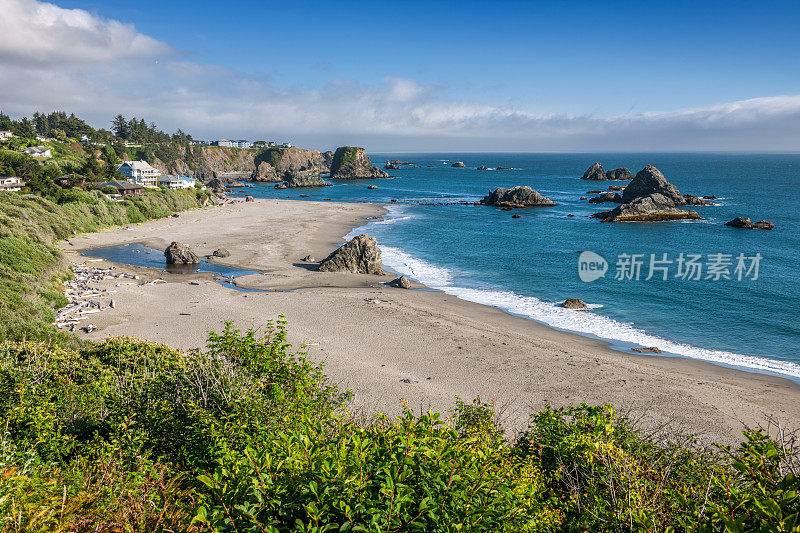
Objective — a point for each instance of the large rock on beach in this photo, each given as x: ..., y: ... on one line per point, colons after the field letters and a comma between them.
x: 519, y: 196
x: 221, y: 252
x: 594, y: 173
x: 351, y: 162
x: 359, y: 256
x: 180, y: 254
x: 401, y: 283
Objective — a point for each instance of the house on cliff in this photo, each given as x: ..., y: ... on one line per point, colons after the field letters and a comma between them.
x: 140, y: 172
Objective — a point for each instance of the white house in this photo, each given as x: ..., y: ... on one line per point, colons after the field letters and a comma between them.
x: 5, y: 135
x: 286, y: 145
x: 11, y: 184
x: 223, y: 142
x: 140, y: 172
x: 39, y: 151
x: 176, y: 182
x: 241, y: 143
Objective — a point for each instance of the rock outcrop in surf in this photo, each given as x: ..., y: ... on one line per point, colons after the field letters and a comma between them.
x: 519, y: 196
x: 649, y: 197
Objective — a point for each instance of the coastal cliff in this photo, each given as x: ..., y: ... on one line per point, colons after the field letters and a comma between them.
x: 274, y: 164
x: 206, y: 162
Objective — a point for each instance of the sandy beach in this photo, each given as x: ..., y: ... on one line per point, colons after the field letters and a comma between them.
x: 420, y: 346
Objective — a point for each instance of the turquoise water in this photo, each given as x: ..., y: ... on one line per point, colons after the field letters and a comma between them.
x: 527, y: 265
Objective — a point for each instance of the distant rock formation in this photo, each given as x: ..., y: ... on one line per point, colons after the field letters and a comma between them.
x: 648, y: 181
x: 594, y: 173
x: 302, y: 178
x: 266, y: 173
x: 373, y: 187
x: 745, y: 223
x: 458, y: 164
x: 351, y: 162
x: 391, y: 166
x: 221, y: 252
x: 180, y: 254
x: 519, y: 196
x: 401, y: 283
x: 606, y: 197
x: 483, y: 167
x: 328, y: 158
x: 691, y: 199
x: 619, y: 174
x: 649, y: 197
x: 574, y: 303
x: 359, y: 256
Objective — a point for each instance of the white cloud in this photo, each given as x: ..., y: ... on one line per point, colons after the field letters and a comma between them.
x: 53, y: 58
x: 39, y: 32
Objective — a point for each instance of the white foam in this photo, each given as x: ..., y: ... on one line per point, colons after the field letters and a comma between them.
x: 550, y: 313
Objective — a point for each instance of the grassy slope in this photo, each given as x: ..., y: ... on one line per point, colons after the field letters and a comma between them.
x: 31, y: 265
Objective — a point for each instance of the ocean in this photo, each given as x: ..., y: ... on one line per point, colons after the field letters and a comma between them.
x: 730, y: 295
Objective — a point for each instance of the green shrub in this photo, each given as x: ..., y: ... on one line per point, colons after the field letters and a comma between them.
x: 412, y: 474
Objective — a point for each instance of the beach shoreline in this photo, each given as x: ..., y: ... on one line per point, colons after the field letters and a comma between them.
x: 421, y: 347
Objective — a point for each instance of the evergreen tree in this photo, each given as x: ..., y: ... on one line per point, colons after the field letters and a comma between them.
x: 120, y: 127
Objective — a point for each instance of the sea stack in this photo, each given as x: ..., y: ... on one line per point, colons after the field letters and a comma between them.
x: 649, y: 198
x: 352, y: 163
x: 594, y: 173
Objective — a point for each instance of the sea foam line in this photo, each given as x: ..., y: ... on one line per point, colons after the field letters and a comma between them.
x: 549, y: 313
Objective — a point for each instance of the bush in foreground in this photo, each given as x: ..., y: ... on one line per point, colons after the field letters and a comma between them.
x: 248, y: 435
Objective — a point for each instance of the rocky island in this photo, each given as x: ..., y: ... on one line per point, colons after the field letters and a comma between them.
x: 597, y: 173
x: 519, y: 196
x: 352, y: 163
x: 649, y: 197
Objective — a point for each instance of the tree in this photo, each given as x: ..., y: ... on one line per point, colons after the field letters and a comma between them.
x: 120, y: 127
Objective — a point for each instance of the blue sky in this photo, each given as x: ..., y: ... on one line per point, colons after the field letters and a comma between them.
x: 448, y: 75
